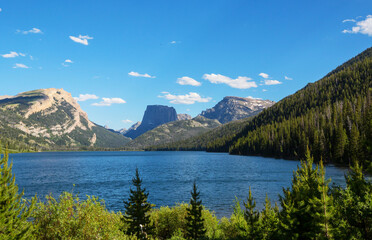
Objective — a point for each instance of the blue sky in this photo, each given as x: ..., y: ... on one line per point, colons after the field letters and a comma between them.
x: 117, y: 57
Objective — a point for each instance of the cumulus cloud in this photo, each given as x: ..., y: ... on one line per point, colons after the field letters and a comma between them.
x: 190, y: 98
x: 264, y: 90
x: 81, y: 39
x: 136, y: 74
x: 240, y: 82
x: 85, y: 97
x: 287, y: 78
x: 68, y: 61
x: 12, y: 55
x: 20, y: 65
x: 264, y: 75
x: 33, y: 30
x: 108, y: 102
x: 363, y: 27
x: 272, y: 82
x: 127, y: 121
x: 188, y: 81
x: 173, y: 42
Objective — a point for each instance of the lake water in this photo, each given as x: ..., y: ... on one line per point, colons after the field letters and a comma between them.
x: 168, y: 176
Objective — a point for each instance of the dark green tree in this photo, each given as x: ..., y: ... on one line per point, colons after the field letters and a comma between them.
x: 14, y: 211
x: 354, y: 206
x: 194, y: 220
x: 252, y: 216
x: 137, y: 210
x: 306, y: 207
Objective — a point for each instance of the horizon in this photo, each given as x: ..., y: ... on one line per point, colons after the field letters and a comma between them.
x: 187, y: 55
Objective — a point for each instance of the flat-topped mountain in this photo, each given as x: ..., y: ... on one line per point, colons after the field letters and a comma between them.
x: 235, y: 108
x: 154, y: 116
x: 51, y: 118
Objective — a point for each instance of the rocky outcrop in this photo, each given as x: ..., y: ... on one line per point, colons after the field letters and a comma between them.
x: 183, y: 116
x: 52, y: 118
x: 235, y: 108
x: 155, y: 115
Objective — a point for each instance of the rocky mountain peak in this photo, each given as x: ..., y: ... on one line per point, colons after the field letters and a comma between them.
x: 232, y: 108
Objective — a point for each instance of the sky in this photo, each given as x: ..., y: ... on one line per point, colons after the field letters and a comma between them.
x: 117, y: 57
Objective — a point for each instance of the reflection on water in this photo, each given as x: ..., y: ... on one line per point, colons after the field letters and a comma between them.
x: 168, y: 176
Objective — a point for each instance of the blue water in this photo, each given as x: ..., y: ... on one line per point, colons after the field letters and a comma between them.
x: 168, y: 176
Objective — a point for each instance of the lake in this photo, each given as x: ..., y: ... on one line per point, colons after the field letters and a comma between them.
x: 168, y: 176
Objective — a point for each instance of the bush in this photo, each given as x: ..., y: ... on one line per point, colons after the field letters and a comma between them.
x: 72, y: 218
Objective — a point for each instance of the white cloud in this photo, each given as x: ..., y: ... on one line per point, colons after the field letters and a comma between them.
x: 190, y: 98
x: 264, y: 90
x: 20, y: 65
x: 173, y: 42
x: 363, y: 27
x: 254, y: 98
x: 272, y: 82
x: 10, y: 55
x: 85, y: 97
x: 68, y: 61
x: 188, y: 81
x: 33, y: 30
x: 127, y: 121
x: 81, y: 39
x: 287, y: 78
x: 109, y: 102
x: 264, y: 75
x: 240, y: 82
x: 1, y: 9
x: 348, y: 20
x: 136, y: 74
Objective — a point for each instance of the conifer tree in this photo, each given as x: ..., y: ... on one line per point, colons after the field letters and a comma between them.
x: 306, y: 210
x: 14, y: 211
x: 137, y: 210
x: 354, y: 206
x: 269, y: 220
x: 195, y: 222
x: 252, y: 216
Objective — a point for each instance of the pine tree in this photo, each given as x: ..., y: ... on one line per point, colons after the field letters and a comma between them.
x: 137, y: 210
x: 355, y: 205
x: 195, y: 222
x: 269, y: 221
x: 14, y: 211
x: 252, y: 216
x: 306, y: 210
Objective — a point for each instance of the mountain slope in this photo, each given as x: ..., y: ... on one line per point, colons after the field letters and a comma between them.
x: 51, y: 118
x: 333, y: 117
x: 174, y: 131
x: 235, y: 108
x: 201, y: 141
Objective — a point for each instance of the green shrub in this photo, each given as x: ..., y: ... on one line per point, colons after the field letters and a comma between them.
x: 72, y: 218
x: 170, y: 222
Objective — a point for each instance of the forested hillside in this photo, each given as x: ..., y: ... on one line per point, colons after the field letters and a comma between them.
x: 333, y: 117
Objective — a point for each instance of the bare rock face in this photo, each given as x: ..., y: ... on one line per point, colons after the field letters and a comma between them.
x: 51, y: 118
x: 235, y: 108
x: 183, y: 116
x: 155, y: 115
